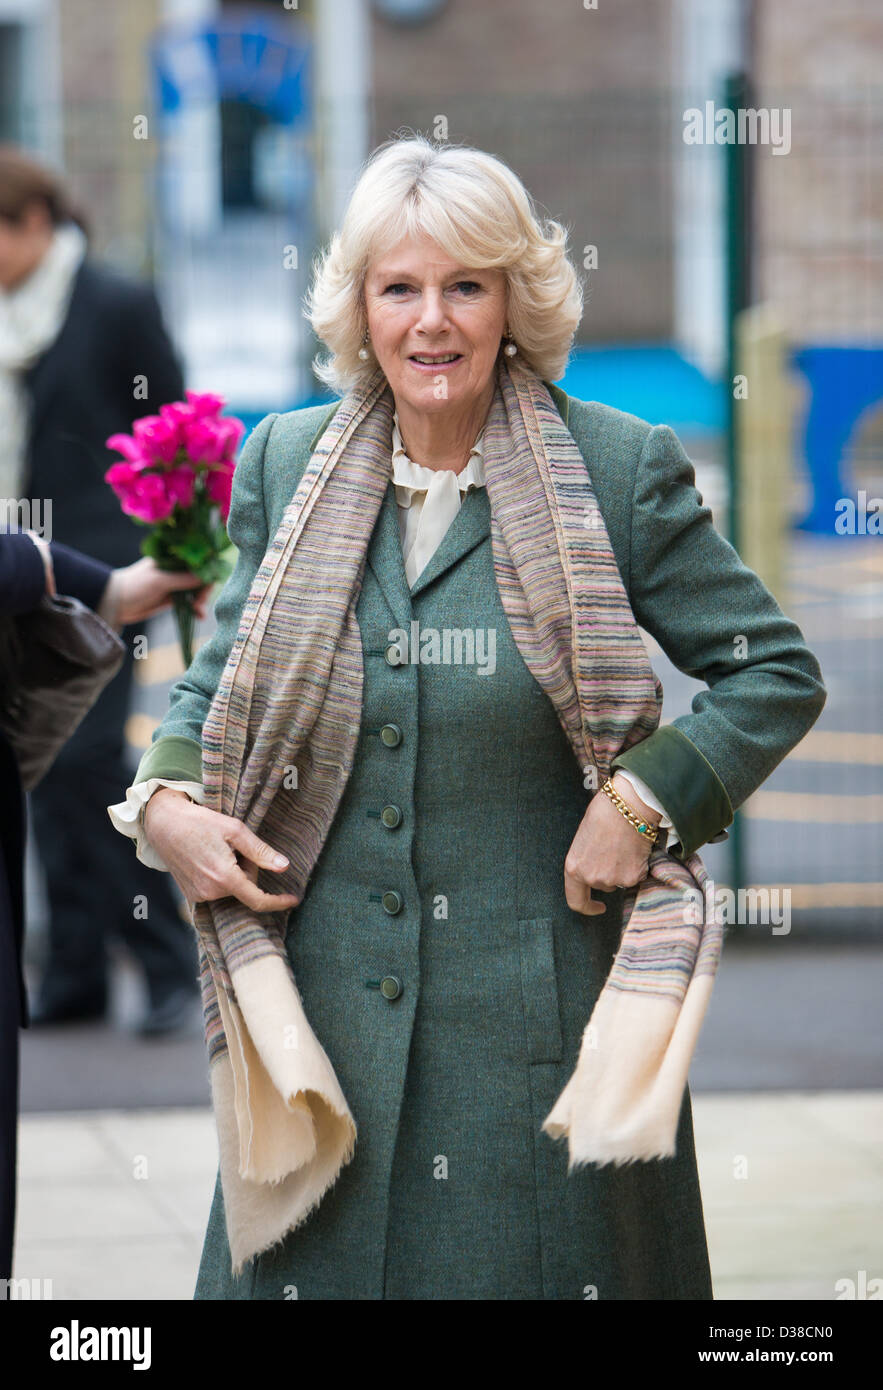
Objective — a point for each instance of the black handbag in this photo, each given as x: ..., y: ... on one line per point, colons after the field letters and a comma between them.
x: 54, y: 663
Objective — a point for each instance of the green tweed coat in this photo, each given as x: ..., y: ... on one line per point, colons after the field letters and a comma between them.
x: 442, y: 877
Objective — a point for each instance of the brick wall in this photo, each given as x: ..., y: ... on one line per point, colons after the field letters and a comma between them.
x: 819, y: 232
x: 104, y: 78
x: 578, y: 102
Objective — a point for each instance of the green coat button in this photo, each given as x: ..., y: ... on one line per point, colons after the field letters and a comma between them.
x: 394, y: 656
x: 391, y: 817
x: 391, y: 735
x: 391, y: 987
x: 393, y: 902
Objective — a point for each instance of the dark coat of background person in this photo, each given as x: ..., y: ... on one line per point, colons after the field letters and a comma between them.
x: 81, y: 391
x: 22, y: 583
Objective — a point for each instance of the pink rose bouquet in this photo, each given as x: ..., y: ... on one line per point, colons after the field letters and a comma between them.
x: 176, y: 477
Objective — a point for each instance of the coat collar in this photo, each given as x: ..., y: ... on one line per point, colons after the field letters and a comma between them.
x: 468, y: 529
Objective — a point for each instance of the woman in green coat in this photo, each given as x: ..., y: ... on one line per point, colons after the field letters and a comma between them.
x: 466, y: 904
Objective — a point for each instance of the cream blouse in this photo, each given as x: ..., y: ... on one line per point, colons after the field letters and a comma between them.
x: 428, y: 500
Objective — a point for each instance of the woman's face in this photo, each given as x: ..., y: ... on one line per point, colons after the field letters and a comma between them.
x: 435, y: 326
x: 23, y: 245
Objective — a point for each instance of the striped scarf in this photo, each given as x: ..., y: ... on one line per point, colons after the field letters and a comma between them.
x: 279, y: 743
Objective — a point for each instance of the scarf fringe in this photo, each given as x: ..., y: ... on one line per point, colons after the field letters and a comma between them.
x: 289, y: 1107
x: 259, y: 1216
x: 623, y: 1101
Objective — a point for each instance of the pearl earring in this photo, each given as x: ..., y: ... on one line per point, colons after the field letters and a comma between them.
x: 364, y: 354
x: 510, y: 349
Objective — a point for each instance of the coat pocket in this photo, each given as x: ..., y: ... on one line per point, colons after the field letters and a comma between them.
x: 539, y: 990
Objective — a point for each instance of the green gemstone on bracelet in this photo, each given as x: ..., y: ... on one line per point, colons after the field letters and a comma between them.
x: 642, y: 827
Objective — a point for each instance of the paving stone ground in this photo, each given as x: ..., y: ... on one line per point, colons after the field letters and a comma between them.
x: 113, y: 1204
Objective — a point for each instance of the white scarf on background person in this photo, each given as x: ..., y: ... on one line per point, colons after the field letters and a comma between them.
x: 31, y: 318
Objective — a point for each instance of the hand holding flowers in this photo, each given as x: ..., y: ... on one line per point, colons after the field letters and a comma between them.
x: 176, y: 477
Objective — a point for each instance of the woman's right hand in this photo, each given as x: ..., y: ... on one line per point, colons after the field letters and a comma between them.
x: 201, y: 847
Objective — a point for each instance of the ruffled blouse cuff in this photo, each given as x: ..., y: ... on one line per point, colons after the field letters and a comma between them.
x: 128, y: 816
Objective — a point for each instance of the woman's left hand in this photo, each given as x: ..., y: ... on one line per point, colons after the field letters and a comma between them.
x: 607, y: 852
x: 141, y: 590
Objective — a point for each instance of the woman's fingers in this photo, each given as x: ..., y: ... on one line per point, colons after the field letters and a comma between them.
x: 607, y: 854
x: 224, y: 877
x: 142, y: 589
x: 271, y: 901
x: 255, y: 849
x: 200, y: 848
x: 580, y: 888
x: 237, y: 881
x: 578, y: 895
x: 200, y: 601
x: 240, y: 886
x: 586, y: 904
x: 259, y: 855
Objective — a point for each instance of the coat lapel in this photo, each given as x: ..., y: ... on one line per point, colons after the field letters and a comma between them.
x: 386, y: 560
x: 468, y: 529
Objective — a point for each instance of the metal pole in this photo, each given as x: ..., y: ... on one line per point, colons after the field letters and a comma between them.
x: 341, y: 114
x: 343, y: 82
x: 737, y: 233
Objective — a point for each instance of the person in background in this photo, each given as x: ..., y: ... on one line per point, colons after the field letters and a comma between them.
x: 83, y: 352
x: 29, y: 568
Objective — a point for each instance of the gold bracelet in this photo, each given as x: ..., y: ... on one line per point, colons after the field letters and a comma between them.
x: 650, y: 832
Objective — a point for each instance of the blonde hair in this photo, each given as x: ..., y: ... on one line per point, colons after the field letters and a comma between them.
x: 474, y: 207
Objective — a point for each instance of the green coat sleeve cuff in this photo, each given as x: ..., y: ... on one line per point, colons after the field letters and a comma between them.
x: 175, y: 757
x: 685, y: 783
